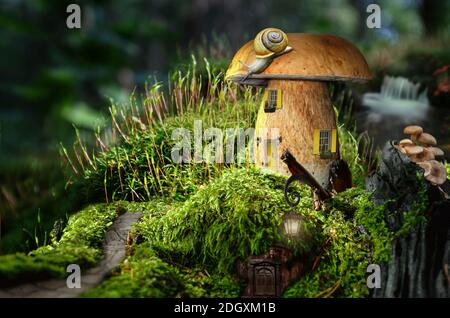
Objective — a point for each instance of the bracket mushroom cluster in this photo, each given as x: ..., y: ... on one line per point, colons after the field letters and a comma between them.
x: 421, y: 149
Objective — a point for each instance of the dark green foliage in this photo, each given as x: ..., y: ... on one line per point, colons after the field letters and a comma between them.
x: 80, y: 244
x: 35, y: 198
x: 357, y: 208
x: 373, y: 220
x: 190, y: 248
x: 42, y: 264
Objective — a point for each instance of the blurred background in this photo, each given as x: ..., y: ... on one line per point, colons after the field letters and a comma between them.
x: 54, y: 78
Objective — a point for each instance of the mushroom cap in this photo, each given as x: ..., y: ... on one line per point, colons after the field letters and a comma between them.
x: 405, y: 142
x: 425, y: 155
x: 426, y: 166
x: 413, y: 130
x: 436, y: 151
x: 314, y: 57
x: 427, y: 139
x: 413, y: 149
x: 437, y: 174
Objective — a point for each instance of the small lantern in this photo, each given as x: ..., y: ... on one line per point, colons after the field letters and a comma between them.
x: 291, y: 225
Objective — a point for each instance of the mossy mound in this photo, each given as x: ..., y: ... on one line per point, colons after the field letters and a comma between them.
x: 190, y: 248
x: 235, y: 216
x: 197, y: 242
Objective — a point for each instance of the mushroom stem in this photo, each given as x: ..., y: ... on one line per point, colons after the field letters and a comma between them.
x: 306, y: 107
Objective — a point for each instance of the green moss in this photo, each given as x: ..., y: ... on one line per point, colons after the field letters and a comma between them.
x: 146, y: 275
x: 416, y: 215
x: 233, y: 217
x: 355, y: 234
x: 80, y: 244
x: 347, y: 248
x: 190, y: 248
x: 143, y: 275
x: 373, y: 220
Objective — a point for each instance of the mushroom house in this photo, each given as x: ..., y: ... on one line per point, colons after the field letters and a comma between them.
x: 296, y: 112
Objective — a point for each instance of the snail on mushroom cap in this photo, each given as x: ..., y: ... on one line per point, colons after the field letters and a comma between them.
x: 268, y: 44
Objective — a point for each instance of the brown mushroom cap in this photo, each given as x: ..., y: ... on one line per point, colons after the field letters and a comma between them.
x: 427, y: 139
x: 413, y: 130
x: 437, y: 174
x: 413, y: 149
x: 425, y: 155
x: 436, y: 151
x: 405, y: 142
x: 314, y: 57
x: 426, y: 166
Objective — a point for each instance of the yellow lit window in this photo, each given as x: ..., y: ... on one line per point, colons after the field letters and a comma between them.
x: 325, y: 142
x: 272, y: 100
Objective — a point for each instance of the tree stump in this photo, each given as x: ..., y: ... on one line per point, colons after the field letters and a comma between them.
x: 419, y: 264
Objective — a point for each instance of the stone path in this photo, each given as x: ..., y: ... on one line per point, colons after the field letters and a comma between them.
x: 114, y: 249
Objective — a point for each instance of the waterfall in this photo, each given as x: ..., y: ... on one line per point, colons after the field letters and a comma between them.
x: 398, y: 97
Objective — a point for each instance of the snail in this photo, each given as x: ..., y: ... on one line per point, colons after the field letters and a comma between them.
x: 268, y: 44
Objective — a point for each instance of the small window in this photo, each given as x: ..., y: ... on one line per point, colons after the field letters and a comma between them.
x: 325, y: 141
x: 272, y: 100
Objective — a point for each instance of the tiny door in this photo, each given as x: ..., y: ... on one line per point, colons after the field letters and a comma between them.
x: 265, y: 284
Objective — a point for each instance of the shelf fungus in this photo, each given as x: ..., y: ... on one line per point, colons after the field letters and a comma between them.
x: 296, y: 113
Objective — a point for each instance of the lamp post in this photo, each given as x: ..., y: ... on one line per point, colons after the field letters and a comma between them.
x: 292, y: 225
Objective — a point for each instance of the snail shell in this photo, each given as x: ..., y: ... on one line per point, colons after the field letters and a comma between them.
x: 270, y: 41
x: 268, y: 44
